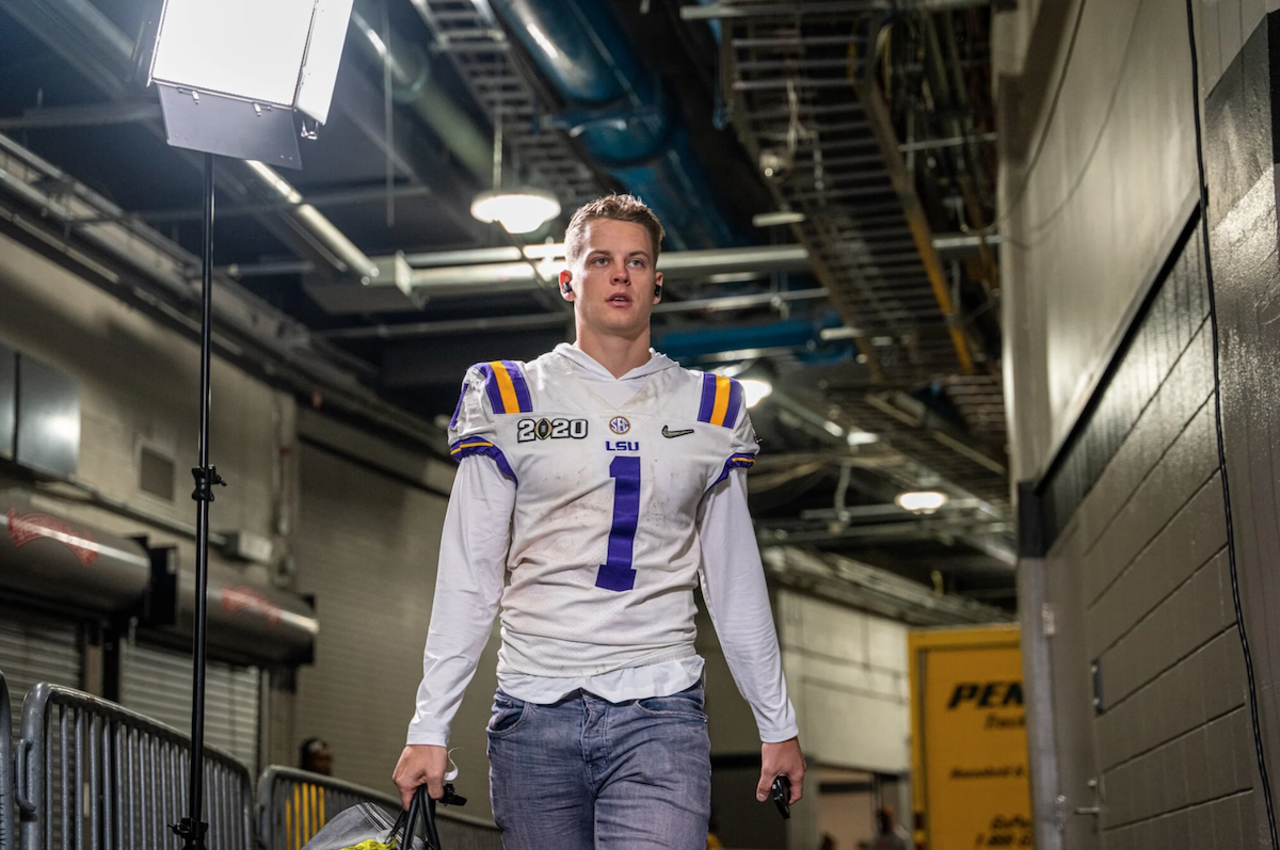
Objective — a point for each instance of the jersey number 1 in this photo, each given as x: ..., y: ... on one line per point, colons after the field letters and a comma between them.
x: 617, y: 572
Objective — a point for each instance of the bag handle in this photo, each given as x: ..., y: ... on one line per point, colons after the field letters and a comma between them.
x: 421, y: 808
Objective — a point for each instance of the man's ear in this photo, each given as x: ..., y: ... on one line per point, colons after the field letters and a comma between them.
x: 657, y: 287
x: 566, y: 288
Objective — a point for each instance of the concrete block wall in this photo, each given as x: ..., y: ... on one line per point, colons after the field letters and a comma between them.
x: 1173, y: 740
x: 367, y: 546
x: 1223, y: 27
x: 1128, y: 466
x: 1170, y: 741
x: 846, y: 664
x: 139, y: 383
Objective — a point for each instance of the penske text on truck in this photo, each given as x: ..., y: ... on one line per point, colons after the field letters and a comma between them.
x: 969, y: 739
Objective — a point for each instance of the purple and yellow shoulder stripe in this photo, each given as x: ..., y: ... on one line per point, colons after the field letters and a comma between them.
x: 721, y: 400
x: 468, y: 446
x: 738, y: 460
x: 505, y: 385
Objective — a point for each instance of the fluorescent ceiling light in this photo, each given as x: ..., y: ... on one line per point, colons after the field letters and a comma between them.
x: 861, y: 438
x: 755, y: 390
x: 775, y: 218
x: 517, y: 210
x: 829, y: 334
x: 922, y: 501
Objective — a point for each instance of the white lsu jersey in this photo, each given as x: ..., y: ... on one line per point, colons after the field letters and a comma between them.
x: 604, y: 543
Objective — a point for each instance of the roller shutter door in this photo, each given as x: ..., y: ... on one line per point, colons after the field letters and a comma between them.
x: 38, y: 650
x: 157, y: 682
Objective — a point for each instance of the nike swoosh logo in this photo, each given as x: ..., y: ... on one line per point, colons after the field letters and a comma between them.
x: 667, y: 432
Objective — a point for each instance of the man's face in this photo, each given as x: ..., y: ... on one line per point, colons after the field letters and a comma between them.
x: 322, y: 761
x: 613, y: 278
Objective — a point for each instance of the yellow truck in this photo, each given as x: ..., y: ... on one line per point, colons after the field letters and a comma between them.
x: 968, y: 739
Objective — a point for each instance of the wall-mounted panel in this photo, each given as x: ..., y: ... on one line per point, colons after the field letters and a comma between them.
x: 48, y: 428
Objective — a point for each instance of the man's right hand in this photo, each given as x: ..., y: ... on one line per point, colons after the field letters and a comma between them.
x: 421, y: 764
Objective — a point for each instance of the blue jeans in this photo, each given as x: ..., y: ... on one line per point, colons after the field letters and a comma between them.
x: 587, y: 774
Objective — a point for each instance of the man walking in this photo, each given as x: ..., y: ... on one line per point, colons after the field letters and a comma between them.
x: 609, y: 481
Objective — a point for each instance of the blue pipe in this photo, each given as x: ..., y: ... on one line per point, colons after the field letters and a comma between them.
x: 619, y: 113
x: 803, y: 336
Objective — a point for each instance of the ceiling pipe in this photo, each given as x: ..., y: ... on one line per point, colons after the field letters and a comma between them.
x: 717, y: 11
x: 407, y: 289
x: 453, y: 327
x: 519, y: 276
x: 250, y: 332
x: 619, y: 113
x: 537, y: 251
x: 330, y: 236
x: 412, y: 86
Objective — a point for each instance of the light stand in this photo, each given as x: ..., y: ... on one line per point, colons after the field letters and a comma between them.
x: 233, y: 75
x: 192, y: 828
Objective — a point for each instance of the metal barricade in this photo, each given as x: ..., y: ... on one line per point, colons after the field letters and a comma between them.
x: 92, y: 775
x: 294, y: 804
x: 8, y: 830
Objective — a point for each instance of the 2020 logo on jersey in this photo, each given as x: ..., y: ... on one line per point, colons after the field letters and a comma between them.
x: 528, y: 430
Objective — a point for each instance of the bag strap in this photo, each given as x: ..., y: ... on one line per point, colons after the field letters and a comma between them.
x: 421, y: 809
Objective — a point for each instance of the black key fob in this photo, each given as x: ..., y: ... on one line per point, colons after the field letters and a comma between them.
x: 451, y: 797
x: 782, y: 796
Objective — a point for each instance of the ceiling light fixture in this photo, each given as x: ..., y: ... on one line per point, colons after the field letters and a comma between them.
x: 756, y: 390
x: 519, y: 210
x: 922, y: 501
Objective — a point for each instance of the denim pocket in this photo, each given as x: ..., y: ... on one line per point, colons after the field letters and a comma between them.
x: 686, y: 703
x: 507, y: 713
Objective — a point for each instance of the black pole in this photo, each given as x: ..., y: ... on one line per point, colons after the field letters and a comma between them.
x: 192, y: 828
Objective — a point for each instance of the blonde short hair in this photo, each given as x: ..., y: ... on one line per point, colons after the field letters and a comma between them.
x: 617, y: 208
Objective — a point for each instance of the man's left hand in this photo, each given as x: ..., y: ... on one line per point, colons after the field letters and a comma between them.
x: 781, y: 759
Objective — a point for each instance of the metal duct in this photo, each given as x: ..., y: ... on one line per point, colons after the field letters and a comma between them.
x: 619, y: 113
x: 797, y: 335
x: 412, y: 85
x: 674, y: 265
x: 47, y: 556
x: 390, y: 292
x: 250, y: 621
x: 50, y: 557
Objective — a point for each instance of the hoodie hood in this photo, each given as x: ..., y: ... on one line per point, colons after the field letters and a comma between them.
x: 587, y: 366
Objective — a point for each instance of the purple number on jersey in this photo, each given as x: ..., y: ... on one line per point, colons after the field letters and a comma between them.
x: 617, y: 572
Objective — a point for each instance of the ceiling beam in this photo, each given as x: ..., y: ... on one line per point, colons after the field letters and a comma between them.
x: 408, y: 291
x: 454, y: 327
x: 920, y: 529
x: 869, y: 588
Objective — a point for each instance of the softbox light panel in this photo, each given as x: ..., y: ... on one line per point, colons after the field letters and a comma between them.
x: 232, y: 72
